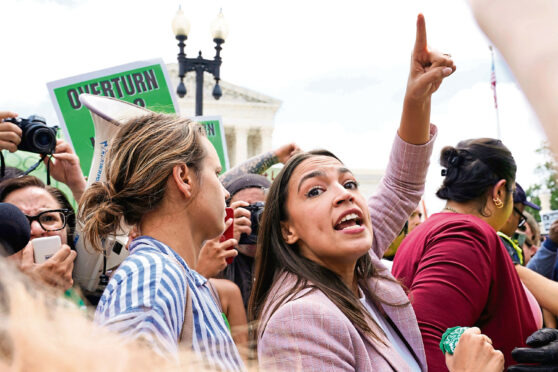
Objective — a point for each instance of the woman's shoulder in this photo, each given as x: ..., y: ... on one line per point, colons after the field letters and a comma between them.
x: 456, y: 222
x: 455, y: 233
x: 314, y: 301
x: 153, y: 255
x: 148, y: 266
x: 146, y: 259
x: 309, y: 318
x: 143, y: 276
x: 308, y: 333
x: 310, y: 307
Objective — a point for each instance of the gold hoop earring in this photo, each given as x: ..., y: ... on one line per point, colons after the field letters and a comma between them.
x: 497, y: 202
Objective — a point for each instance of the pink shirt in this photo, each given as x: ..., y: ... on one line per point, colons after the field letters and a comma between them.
x: 535, y: 308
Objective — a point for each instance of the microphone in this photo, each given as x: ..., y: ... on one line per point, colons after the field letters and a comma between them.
x: 15, y: 230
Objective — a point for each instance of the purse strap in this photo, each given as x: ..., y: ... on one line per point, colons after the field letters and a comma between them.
x: 214, y: 294
x: 187, y: 331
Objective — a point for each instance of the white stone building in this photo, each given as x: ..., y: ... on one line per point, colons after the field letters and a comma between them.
x: 248, y: 118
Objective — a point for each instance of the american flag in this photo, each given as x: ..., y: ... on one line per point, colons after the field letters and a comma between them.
x: 493, y: 80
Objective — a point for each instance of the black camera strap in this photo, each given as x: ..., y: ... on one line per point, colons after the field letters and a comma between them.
x: 34, y: 166
x: 104, y: 278
x: 48, y: 167
x: 2, y: 165
x: 30, y: 169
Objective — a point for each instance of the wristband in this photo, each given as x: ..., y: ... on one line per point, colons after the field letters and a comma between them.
x: 450, y: 338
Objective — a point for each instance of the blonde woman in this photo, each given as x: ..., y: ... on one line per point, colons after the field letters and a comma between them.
x: 162, y: 178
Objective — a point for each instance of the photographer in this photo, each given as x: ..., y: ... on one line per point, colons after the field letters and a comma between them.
x: 247, y: 197
x: 50, y: 214
x: 10, y: 134
x: 213, y: 256
x: 64, y: 163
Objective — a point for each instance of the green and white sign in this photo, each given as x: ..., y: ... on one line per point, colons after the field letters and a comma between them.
x: 144, y: 83
x: 216, y: 135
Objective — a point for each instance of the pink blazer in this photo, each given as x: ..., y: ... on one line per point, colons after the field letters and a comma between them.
x: 309, y: 333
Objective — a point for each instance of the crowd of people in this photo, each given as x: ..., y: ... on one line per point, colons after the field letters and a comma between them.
x: 315, y: 277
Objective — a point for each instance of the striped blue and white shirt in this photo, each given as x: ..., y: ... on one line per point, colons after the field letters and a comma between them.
x: 146, y: 298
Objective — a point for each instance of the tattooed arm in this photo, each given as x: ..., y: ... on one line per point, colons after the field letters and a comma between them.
x: 260, y: 163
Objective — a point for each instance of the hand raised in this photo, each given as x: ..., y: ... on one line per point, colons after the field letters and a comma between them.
x: 428, y: 68
x: 285, y: 152
x: 65, y: 168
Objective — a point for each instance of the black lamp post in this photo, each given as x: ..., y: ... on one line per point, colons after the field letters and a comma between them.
x: 219, y: 29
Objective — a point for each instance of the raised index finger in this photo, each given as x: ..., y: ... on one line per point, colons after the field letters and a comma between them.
x: 420, y: 41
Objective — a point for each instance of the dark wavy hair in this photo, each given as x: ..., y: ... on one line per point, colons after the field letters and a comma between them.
x: 473, y: 167
x: 275, y: 256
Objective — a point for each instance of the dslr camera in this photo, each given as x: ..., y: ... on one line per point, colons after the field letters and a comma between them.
x: 36, y: 136
x: 256, y: 211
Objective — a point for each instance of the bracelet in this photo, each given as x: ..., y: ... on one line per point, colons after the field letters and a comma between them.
x: 450, y: 338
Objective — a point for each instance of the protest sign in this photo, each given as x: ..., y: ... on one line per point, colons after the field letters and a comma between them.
x: 216, y: 134
x: 546, y: 220
x: 144, y: 83
x: 272, y: 172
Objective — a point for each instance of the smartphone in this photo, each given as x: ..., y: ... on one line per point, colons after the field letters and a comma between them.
x: 45, y: 248
x: 229, y: 232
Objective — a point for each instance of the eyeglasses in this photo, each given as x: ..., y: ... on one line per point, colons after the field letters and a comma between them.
x: 52, y: 220
x: 522, y: 218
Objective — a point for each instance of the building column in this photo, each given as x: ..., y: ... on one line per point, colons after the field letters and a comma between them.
x: 231, y: 145
x: 241, y: 145
x: 265, y: 136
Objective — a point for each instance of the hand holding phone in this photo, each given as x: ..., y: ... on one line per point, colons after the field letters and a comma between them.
x: 45, y: 248
x: 229, y: 232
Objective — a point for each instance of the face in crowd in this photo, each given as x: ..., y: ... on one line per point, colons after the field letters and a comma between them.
x: 514, y: 220
x: 209, y: 198
x: 46, y: 216
x: 414, y: 220
x: 326, y: 216
x: 249, y: 195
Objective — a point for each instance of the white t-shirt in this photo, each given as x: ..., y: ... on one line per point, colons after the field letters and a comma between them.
x: 392, y: 336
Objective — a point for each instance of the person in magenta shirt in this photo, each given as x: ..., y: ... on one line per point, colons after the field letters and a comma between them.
x: 456, y: 269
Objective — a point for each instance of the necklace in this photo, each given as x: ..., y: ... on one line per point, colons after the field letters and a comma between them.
x: 451, y: 209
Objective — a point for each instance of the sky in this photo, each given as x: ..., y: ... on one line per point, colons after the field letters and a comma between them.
x: 339, y: 68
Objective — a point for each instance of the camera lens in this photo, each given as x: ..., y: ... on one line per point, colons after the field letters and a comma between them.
x: 43, y: 140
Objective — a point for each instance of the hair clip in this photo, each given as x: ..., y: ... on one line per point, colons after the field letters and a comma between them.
x: 444, y: 172
x: 454, y: 161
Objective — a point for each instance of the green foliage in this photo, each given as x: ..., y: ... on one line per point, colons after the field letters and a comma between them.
x: 548, y: 181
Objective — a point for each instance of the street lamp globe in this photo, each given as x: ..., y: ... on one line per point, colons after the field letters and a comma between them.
x: 180, y: 24
x: 219, y: 27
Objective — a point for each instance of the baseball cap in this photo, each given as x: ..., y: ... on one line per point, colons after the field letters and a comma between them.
x: 247, y: 181
x: 520, y: 197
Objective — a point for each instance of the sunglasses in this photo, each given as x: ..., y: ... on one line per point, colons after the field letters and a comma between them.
x: 522, y: 218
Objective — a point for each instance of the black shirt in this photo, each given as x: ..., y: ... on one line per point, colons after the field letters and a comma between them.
x: 241, y: 272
